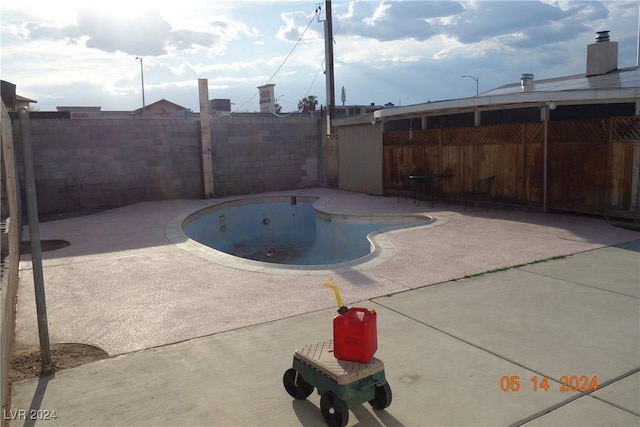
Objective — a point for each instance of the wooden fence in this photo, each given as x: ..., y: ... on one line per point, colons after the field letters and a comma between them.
x: 590, y: 163
x: 9, y: 264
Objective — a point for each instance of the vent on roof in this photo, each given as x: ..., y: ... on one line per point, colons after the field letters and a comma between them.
x: 602, y: 36
x: 526, y: 81
x: 602, y: 56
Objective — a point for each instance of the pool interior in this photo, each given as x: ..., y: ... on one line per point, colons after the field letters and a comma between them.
x: 287, y: 230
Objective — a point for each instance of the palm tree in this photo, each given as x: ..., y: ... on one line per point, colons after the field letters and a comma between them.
x: 308, y: 104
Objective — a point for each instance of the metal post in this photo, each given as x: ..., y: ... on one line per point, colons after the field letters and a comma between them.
x: 34, y: 235
x: 142, y: 78
x: 477, y: 84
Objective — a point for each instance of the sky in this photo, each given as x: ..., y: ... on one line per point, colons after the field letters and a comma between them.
x: 83, y: 53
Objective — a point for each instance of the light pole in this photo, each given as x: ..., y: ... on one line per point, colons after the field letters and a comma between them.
x: 474, y: 78
x: 276, y: 105
x: 142, y: 77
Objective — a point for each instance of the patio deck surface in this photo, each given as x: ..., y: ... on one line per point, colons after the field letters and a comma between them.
x: 198, y: 342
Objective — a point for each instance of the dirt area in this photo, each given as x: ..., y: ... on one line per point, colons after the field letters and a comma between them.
x: 26, y: 362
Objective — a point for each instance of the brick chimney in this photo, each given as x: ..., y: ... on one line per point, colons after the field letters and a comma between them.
x: 602, y: 56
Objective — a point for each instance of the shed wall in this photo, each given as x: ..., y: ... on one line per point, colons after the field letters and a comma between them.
x: 360, y: 158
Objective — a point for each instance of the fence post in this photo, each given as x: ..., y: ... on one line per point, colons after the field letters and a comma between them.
x: 545, y: 160
x: 206, y: 153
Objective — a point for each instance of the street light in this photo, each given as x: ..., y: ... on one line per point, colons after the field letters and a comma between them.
x: 142, y: 77
x: 474, y: 78
x: 276, y: 105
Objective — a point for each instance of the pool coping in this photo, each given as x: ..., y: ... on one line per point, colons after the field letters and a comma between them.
x: 382, y: 248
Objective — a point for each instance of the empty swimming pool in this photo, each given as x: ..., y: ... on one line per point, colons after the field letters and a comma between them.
x: 289, y: 230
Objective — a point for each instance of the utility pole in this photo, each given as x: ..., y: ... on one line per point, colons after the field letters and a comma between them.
x: 328, y: 58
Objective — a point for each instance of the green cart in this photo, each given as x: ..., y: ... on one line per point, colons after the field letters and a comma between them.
x: 341, y: 384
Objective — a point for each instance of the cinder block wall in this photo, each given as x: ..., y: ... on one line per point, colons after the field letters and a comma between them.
x: 81, y: 164
x: 103, y: 163
x: 254, y: 153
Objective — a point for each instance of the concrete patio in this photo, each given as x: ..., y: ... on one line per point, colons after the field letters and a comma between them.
x: 195, y: 342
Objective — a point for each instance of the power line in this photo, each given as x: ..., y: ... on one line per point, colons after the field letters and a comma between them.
x: 294, y: 46
x: 314, y: 79
x: 323, y: 59
x: 288, y: 56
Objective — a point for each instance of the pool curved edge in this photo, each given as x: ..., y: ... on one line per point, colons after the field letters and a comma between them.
x: 382, y: 248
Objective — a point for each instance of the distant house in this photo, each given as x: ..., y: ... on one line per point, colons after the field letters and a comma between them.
x: 22, y: 101
x: 355, y: 110
x: 161, y: 109
x: 10, y: 99
x: 81, y: 112
x: 603, y: 91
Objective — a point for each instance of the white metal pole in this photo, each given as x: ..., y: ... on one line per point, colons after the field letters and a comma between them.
x: 142, y: 78
x: 34, y: 235
x: 638, y: 57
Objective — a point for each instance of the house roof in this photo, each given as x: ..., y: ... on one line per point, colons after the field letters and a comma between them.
x: 622, y: 85
x: 20, y: 98
x: 618, y: 79
x: 163, y: 101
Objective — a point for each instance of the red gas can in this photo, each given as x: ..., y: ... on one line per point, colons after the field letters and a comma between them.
x: 355, y: 334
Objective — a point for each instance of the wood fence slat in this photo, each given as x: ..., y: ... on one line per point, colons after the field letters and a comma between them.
x: 590, y: 162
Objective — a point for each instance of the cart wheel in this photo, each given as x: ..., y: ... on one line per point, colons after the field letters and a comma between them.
x: 334, y: 411
x: 295, y: 385
x: 382, y: 398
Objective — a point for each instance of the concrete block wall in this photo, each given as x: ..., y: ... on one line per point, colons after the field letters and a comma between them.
x: 83, y: 164
x: 253, y: 153
x: 92, y: 163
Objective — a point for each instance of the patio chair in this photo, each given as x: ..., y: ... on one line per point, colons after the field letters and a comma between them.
x: 480, y: 192
x: 406, y: 186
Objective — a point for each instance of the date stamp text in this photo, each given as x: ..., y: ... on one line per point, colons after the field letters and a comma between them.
x: 582, y: 383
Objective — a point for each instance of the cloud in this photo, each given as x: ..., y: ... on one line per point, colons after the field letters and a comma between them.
x: 186, y: 39
x: 522, y: 24
x: 488, y: 19
x: 143, y: 34
x: 295, y: 24
x: 514, y: 24
x: 230, y: 29
x: 393, y: 20
x: 43, y: 32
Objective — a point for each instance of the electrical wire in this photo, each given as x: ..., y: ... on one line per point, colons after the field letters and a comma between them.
x: 314, y: 79
x: 288, y: 56
x: 323, y: 59
x: 294, y: 47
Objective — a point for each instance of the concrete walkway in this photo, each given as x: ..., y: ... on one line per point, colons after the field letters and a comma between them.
x: 194, y: 342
